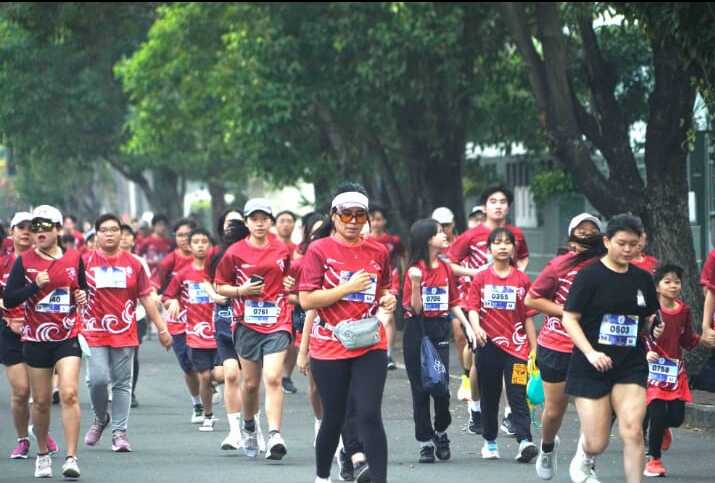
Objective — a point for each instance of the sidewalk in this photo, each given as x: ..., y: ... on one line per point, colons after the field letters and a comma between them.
x: 701, y: 412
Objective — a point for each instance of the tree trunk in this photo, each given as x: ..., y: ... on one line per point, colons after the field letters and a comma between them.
x: 217, y: 190
x: 165, y: 197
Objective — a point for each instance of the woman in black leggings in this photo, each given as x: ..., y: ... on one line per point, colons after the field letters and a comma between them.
x: 346, y: 278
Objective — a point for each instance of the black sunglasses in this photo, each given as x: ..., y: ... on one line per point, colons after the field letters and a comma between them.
x: 39, y: 226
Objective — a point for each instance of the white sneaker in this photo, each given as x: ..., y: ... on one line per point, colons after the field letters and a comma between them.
x: 546, y: 463
x: 276, y: 447
x: 322, y: 480
x: 208, y: 425
x: 248, y: 442
x: 527, y: 452
x: 232, y: 442
x: 316, y: 429
x: 70, y: 469
x: 259, y: 434
x: 490, y: 450
x: 43, y: 466
x: 582, y: 469
x: 197, y: 416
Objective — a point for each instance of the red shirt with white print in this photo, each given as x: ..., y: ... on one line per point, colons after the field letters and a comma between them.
x: 114, y: 286
x: 50, y: 314
x: 391, y: 242
x: 172, y: 264
x: 502, y: 313
x: 153, y: 248
x: 6, y: 263
x: 267, y: 313
x: 8, y: 246
x: 186, y: 286
x: 649, y: 264
x: 554, y: 283
x: 329, y: 263
x: 439, y: 291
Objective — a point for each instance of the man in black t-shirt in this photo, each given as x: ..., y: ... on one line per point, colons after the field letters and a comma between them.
x: 610, y: 307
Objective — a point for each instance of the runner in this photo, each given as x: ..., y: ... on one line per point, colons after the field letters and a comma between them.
x: 69, y: 227
x: 429, y: 295
x: 11, y: 343
x: 116, y: 280
x: 497, y: 311
x: 186, y: 293
x: 477, y: 216
x: 668, y: 389
x: 642, y: 260
x: 156, y: 246
x: 285, y: 224
x: 548, y: 295
x: 252, y: 271
x: 346, y: 278
x: 50, y: 281
x: 608, y: 311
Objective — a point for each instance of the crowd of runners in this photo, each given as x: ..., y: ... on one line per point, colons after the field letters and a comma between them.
x: 242, y: 307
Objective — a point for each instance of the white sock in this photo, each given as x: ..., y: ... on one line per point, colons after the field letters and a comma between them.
x: 475, y: 406
x: 507, y: 411
x: 195, y: 400
x: 426, y: 444
x: 234, y: 422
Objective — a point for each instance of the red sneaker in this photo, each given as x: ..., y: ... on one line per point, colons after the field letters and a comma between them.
x: 667, y: 440
x: 655, y: 468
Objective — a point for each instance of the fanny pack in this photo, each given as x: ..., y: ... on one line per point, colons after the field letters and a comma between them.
x: 357, y: 334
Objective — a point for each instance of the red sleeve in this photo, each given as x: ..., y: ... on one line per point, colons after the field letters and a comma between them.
x: 523, y: 249
x: 689, y: 339
x: 144, y: 286
x: 545, y: 284
x: 163, y: 271
x: 386, y: 275
x: 454, y: 298
x: 459, y: 249
x: 224, y: 270
x: 174, y: 288
x: 311, y: 277
x: 474, y: 299
x: 407, y: 296
x: 707, y: 277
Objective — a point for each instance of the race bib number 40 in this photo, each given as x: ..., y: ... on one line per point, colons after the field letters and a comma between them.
x: 664, y: 370
x: 197, y: 294
x: 110, y: 277
x: 435, y: 299
x: 56, y: 302
x: 260, y: 312
x: 618, y: 330
x: 499, y: 297
x: 366, y: 297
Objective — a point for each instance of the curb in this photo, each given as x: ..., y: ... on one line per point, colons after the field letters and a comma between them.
x: 701, y: 416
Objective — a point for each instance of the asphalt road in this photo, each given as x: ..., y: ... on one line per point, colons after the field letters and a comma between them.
x: 168, y: 448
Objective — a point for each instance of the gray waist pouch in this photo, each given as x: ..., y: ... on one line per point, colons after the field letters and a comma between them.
x: 356, y: 334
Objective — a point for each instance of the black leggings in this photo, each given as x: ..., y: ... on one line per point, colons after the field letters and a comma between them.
x: 365, y: 377
x: 663, y: 415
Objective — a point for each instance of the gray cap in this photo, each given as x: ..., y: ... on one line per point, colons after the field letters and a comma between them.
x: 578, y: 219
x: 47, y: 212
x: 257, y: 204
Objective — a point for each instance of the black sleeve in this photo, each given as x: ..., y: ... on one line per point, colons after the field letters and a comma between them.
x: 580, y: 293
x: 82, y: 276
x: 651, y: 296
x: 18, y: 290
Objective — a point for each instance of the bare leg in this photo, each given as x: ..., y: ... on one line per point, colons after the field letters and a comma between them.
x: 19, y: 401
x: 41, y: 387
x: 555, y: 405
x: 272, y: 380
x: 629, y: 403
x: 68, y: 372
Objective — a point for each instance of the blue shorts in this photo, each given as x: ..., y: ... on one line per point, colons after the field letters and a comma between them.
x: 181, y: 350
x: 203, y: 359
x: 223, y: 317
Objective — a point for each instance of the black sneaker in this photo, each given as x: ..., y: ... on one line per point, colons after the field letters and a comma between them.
x: 345, y: 467
x: 441, y: 444
x: 391, y: 366
x: 507, y: 427
x: 288, y: 386
x: 427, y: 454
x: 475, y: 422
x: 362, y: 472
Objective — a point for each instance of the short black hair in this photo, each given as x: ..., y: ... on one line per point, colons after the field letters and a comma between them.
x: 498, y: 233
x: 289, y: 213
x: 159, y: 219
x: 105, y: 218
x: 498, y: 189
x: 128, y: 229
x: 376, y: 209
x: 71, y: 217
x: 624, y: 222
x: 198, y: 232
x: 184, y: 222
x: 665, y: 269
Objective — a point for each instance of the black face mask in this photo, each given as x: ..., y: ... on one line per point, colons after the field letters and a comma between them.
x: 590, y: 241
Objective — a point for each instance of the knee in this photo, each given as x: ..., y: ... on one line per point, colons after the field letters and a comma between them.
x: 68, y: 396
x: 230, y: 377
x: 273, y: 381
x: 20, y: 395
x: 631, y: 431
x: 99, y: 378
x: 250, y: 385
x: 554, y: 409
x: 593, y: 445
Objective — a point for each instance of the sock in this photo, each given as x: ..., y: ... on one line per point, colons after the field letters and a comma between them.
x: 389, y: 353
x: 426, y: 444
x: 249, y: 425
x: 475, y: 406
x: 547, y: 448
x: 21, y: 439
x: 196, y: 400
x: 507, y: 411
x: 233, y: 422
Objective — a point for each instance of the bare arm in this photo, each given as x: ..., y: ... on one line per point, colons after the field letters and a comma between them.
x: 530, y: 329
x: 544, y: 306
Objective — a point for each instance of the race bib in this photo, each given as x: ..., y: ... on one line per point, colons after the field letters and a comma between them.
x: 56, y: 302
x: 618, y: 330
x: 499, y: 297
x: 435, y: 299
x: 664, y: 370
x: 260, y: 312
x: 197, y: 294
x: 366, y: 297
x: 110, y: 277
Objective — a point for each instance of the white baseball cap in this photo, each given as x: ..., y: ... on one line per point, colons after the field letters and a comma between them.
x: 47, y: 212
x: 443, y: 215
x: 20, y: 217
x: 578, y: 219
x: 257, y: 204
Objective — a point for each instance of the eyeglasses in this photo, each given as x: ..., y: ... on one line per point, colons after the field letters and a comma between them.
x: 347, y: 216
x: 110, y: 229
x: 41, y: 226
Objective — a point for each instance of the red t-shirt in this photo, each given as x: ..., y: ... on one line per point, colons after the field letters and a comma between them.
x: 391, y: 242
x: 677, y: 334
x: 153, y: 248
x: 707, y: 276
x: 6, y: 263
x: 115, y: 284
x: 649, y: 264
x: 8, y: 246
x: 439, y: 291
x: 395, y: 281
x: 186, y: 287
x: 328, y: 263
x: 502, y: 313
x: 554, y: 283
x: 269, y: 312
x: 50, y: 314
x: 172, y: 264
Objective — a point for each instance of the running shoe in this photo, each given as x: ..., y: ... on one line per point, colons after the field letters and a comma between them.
x: 654, y: 468
x: 322, y: 480
x: 231, y: 442
x: 288, y: 386
x: 465, y: 389
x: 546, y: 463
x: 197, y: 417
x: 22, y: 450
x: 362, y: 472
x: 346, y: 471
x: 249, y: 442
x: 427, y: 454
x: 582, y: 469
x: 442, y: 450
x: 208, y: 425
x: 70, y: 470
x: 95, y: 431
x: 507, y: 427
x: 667, y: 440
x: 527, y: 452
x: 216, y: 397
x: 43, y: 466
x: 391, y: 366
x: 490, y: 450
x: 259, y: 434
x: 120, y: 443
x: 475, y: 422
x: 276, y: 447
